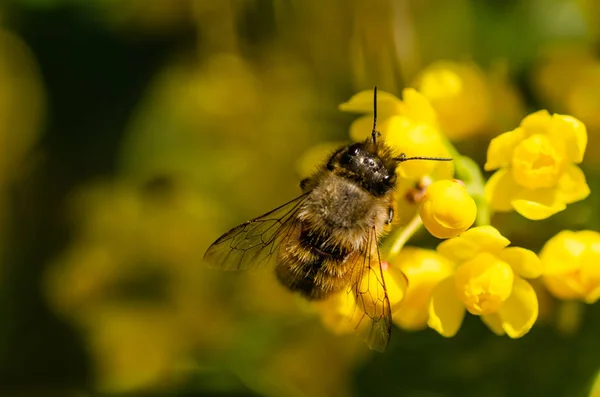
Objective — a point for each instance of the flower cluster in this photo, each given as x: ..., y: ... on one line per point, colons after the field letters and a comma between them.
x: 474, y: 270
x: 489, y: 280
x: 538, y: 174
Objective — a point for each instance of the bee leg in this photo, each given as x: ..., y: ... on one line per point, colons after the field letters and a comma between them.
x: 390, y: 216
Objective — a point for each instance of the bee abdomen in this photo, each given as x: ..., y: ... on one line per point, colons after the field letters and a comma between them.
x: 313, y: 267
x: 310, y: 279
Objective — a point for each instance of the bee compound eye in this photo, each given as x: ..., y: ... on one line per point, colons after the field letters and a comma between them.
x: 353, y: 150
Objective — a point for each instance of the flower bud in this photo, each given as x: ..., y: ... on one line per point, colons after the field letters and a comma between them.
x: 447, y: 210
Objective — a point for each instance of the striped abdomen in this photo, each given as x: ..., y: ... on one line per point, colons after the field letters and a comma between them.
x: 314, y: 266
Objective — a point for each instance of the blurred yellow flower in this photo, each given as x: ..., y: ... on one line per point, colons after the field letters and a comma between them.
x: 583, y: 99
x: 538, y: 176
x: 120, y: 339
x: 460, y: 95
x: 571, y: 265
x: 22, y: 106
x: 447, y: 209
x: 489, y: 281
x: 557, y: 71
x: 423, y: 269
x: 409, y: 126
x: 131, y: 279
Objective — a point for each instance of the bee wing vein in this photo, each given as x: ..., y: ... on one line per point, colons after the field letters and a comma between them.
x: 256, y: 241
x: 373, y: 304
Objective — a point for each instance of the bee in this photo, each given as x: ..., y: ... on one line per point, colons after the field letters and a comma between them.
x: 327, y: 240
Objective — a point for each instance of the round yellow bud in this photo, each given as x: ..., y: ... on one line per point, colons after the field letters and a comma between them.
x: 447, y: 210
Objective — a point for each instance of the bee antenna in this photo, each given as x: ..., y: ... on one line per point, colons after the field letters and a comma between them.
x: 403, y: 158
x: 374, y: 133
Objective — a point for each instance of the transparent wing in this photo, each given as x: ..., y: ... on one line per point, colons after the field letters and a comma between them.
x: 255, y: 242
x: 372, y: 315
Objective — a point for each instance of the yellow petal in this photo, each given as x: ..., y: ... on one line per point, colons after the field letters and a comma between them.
x: 446, y: 312
x: 573, y: 135
x: 501, y: 148
x: 560, y: 254
x: 564, y: 286
x: 337, y: 313
x: 361, y: 128
x: 484, y: 283
x: 572, y: 186
x: 387, y: 104
x: 471, y: 242
x: 424, y: 269
x: 418, y: 107
x: 538, y: 162
x: 523, y: 261
x: 412, y: 138
x: 486, y: 237
x: 538, y: 204
x: 396, y: 285
x: 372, y: 291
x: 539, y: 122
x: 519, y: 312
x: 590, y: 270
x: 500, y: 190
x: 494, y: 323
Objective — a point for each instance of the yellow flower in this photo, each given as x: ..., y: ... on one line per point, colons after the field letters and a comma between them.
x: 488, y: 281
x: 538, y: 176
x: 571, y: 265
x: 459, y: 93
x: 409, y: 126
x: 423, y: 269
x: 342, y: 312
x: 447, y: 209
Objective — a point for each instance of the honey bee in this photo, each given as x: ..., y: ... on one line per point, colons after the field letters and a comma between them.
x: 327, y: 240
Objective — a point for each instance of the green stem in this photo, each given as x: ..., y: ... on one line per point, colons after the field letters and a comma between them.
x: 405, y: 235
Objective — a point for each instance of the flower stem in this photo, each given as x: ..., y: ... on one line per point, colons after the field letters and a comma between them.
x: 405, y: 235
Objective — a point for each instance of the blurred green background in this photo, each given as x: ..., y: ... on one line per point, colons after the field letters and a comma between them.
x: 133, y: 133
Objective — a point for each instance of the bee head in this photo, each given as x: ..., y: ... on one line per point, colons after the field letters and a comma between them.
x: 371, y: 163
x: 374, y: 170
